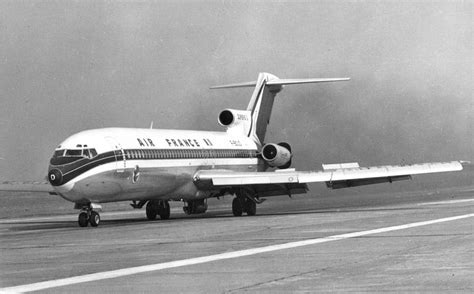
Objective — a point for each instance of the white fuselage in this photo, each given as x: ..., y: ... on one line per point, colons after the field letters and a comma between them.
x: 116, y: 164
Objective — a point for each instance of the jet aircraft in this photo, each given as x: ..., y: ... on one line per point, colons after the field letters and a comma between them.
x: 151, y: 167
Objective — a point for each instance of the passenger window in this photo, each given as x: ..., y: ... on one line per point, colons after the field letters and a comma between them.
x: 93, y: 153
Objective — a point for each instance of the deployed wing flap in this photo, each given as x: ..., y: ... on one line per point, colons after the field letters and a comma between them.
x: 267, y: 190
x: 334, y: 178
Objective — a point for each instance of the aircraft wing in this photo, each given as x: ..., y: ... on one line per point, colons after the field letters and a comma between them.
x: 43, y: 187
x: 335, y: 176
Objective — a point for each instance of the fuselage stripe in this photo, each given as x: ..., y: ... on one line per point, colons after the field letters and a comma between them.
x: 82, y: 165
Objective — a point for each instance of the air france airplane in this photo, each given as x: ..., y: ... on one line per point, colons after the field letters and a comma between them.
x: 151, y: 167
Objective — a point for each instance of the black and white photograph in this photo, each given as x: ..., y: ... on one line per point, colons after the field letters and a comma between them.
x: 205, y: 146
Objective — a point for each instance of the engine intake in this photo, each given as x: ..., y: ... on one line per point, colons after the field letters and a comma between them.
x: 277, y: 155
x: 239, y: 120
x: 226, y: 117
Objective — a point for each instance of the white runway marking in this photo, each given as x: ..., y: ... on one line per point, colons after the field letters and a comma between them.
x: 228, y: 255
x: 447, y: 202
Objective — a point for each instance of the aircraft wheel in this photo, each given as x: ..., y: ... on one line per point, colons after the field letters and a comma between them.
x: 165, y: 210
x: 237, y: 208
x: 151, y: 211
x: 250, y: 207
x: 83, y: 220
x: 94, y: 219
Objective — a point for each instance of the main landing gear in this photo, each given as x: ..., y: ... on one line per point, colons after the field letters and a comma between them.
x: 195, y: 206
x: 89, y: 216
x: 243, y: 203
x: 158, y: 207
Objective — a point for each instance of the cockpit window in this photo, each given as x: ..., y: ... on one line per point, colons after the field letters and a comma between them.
x: 74, y: 152
x: 58, y: 153
x: 62, y: 156
x: 88, y: 153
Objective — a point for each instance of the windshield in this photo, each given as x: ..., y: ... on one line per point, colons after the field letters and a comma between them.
x: 58, y: 153
x: 74, y: 152
x: 65, y: 156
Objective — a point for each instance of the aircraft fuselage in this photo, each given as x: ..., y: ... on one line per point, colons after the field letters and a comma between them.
x: 117, y: 164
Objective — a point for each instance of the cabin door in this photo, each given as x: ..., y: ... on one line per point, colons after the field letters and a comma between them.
x: 120, y: 160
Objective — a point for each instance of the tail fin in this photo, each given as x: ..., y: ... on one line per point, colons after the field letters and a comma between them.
x: 261, y: 103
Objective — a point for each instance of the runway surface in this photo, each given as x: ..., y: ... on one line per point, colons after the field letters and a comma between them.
x: 308, y: 244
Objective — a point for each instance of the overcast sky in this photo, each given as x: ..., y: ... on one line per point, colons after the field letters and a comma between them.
x: 68, y: 66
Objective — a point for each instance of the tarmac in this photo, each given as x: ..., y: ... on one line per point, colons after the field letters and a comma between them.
x: 356, y: 242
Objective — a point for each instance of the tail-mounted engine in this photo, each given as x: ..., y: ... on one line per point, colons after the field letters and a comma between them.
x: 277, y: 155
x: 236, y: 120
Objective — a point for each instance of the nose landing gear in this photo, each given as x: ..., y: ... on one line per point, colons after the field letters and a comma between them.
x: 89, y: 216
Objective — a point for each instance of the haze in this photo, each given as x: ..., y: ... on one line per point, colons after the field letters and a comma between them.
x: 68, y: 66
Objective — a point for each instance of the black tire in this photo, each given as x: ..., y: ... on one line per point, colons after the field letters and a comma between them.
x: 83, y: 220
x: 165, y: 210
x: 250, y: 207
x: 95, y: 219
x: 151, y: 211
x: 237, y: 208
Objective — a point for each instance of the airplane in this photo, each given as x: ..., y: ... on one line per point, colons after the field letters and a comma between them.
x: 151, y: 167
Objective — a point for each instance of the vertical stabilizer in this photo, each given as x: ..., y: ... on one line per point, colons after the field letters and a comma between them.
x: 261, y: 103
x: 260, y: 106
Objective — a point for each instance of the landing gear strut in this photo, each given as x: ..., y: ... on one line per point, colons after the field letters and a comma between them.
x: 158, y: 207
x: 88, y: 216
x: 195, y: 206
x: 242, y: 203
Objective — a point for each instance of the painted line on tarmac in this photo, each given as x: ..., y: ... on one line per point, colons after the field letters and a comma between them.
x: 447, y: 202
x: 228, y: 255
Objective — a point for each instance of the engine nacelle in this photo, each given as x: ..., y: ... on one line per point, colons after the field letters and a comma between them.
x: 233, y: 119
x: 277, y: 155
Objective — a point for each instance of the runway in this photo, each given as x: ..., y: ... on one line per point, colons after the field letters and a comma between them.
x: 397, y: 242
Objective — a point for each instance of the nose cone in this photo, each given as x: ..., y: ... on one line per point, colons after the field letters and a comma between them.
x: 55, y: 177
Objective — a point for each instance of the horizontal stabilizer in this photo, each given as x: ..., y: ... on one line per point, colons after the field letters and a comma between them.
x: 281, y: 82
x: 304, y: 81
x: 237, y: 85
